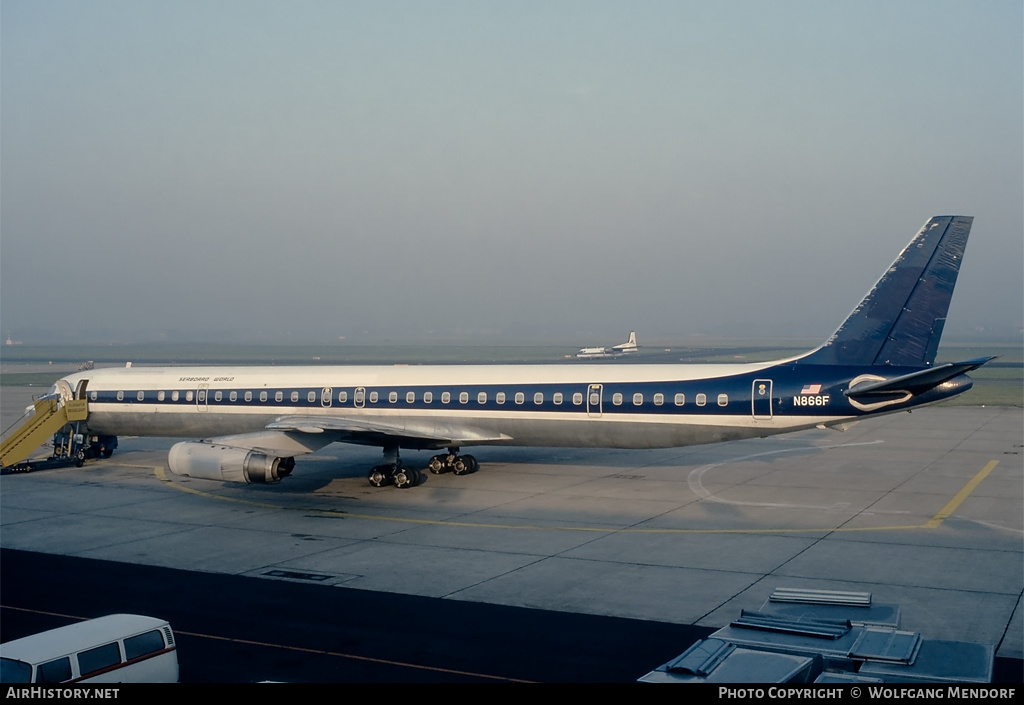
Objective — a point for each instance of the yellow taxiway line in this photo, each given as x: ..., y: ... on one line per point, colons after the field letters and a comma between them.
x: 960, y: 496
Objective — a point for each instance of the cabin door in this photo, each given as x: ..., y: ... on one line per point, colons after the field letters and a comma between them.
x: 201, y: 394
x: 761, y: 394
x: 594, y: 394
x: 64, y: 389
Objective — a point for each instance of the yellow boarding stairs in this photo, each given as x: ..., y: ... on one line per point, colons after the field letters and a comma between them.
x: 48, y: 416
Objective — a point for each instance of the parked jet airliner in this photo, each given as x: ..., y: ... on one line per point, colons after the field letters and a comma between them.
x: 253, y: 421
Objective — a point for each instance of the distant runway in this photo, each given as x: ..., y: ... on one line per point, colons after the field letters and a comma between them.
x: 921, y: 509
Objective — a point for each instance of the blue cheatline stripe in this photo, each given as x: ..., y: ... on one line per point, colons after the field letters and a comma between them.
x: 787, y: 389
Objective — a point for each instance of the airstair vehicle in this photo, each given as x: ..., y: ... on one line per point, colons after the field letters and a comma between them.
x: 57, y: 416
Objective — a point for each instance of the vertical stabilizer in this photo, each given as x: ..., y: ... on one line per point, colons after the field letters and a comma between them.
x: 900, y: 320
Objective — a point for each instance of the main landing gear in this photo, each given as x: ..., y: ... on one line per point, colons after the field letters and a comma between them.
x: 400, y: 475
x: 453, y: 462
x: 394, y: 471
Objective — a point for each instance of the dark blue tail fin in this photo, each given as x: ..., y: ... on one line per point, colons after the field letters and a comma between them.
x: 900, y: 321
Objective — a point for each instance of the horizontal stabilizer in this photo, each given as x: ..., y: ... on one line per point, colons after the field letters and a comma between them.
x: 915, y: 382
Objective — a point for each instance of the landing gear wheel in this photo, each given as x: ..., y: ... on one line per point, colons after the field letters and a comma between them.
x: 460, y: 466
x: 381, y: 475
x: 471, y: 462
x: 406, y: 478
x: 79, y: 458
x: 437, y: 464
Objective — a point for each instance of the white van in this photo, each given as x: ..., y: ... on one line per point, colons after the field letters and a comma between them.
x: 118, y: 648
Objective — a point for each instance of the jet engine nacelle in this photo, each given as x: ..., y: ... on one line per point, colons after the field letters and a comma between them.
x: 216, y: 462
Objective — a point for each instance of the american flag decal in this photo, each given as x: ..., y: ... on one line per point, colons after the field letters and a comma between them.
x: 811, y: 389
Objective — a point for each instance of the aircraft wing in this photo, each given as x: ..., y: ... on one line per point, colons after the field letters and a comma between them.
x: 381, y: 431
x: 277, y: 443
x: 297, y: 435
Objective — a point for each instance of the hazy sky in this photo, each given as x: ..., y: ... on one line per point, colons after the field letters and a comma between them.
x: 295, y: 170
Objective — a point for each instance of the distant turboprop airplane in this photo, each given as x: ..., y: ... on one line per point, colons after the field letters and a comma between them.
x: 614, y: 351
x: 253, y: 421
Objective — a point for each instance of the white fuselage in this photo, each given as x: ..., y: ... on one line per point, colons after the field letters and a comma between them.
x: 634, y: 406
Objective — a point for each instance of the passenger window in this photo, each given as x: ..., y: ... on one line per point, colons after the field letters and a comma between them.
x: 248, y: 396
x: 120, y: 396
x: 481, y: 398
x: 148, y: 643
x: 702, y: 399
x: 188, y: 396
x: 92, y: 395
x: 263, y: 396
x: 174, y: 396
x: 723, y: 399
x: 446, y: 397
x: 659, y: 399
x: 392, y: 397
x: 279, y: 396
x: 577, y: 398
x: 374, y: 397
x: 56, y: 671
x: 520, y: 397
x: 616, y: 399
x: 99, y: 658
x: 360, y: 396
x: 294, y: 397
x: 201, y: 396
x: 218, y: 396
x: 538, y: 398
x: 680, y: 399
x: 595, y: 398
x: 428, y: 397
x: 159, y: 395
x: 342, y: 397
x: 311, y: 397
x: 500, y: 397
x: 141, y: 395
x: 463, y: 397
x: 233, y: 396
x: 557, y: 398
x: 638, y: 399
x: 410, y: 397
